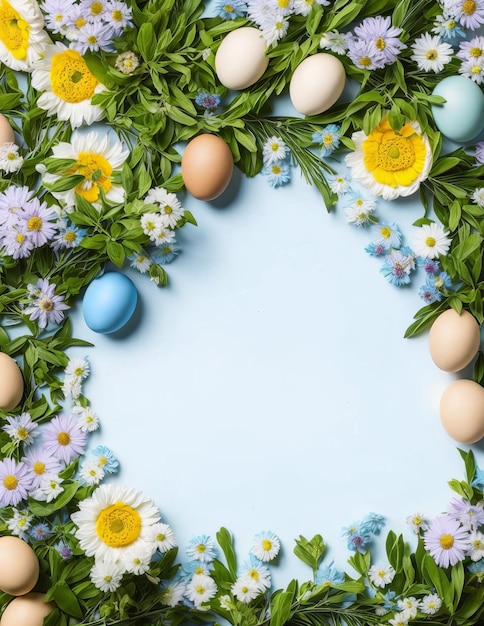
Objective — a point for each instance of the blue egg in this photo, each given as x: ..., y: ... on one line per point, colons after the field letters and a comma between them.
x: 461, y: 117
x: 109, y: 302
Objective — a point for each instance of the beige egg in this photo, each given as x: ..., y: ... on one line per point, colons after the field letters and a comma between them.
x: 11, y: 383
x: 6, y: 131
x: 207, y: 165
x: 240, y: 59
x: 462, y: 411
x: 28, y: 610
x: 19, y: 566
x: 454, y: 340
x: 317, y: 83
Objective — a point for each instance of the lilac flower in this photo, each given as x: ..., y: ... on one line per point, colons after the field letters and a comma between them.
x: 209, y: 101
x: 470, y: 516
x: 12, y: 202
x: 36, y: 217
x: 17, y: 243
x: 68, y: 235
x: 40, y: 532
x: 377, y: 248
x: 431, y: 266
x: 429, y: 293
x: 46, y: 307
x: 480, y: 152
x: 64, y: 550
x: 364, y: 54
x: 397, y: 268
x: 383, y: 36
x: 38, y: 463
x: 446, y: 541
x: 15, y: 482
x: 57, y: 14
x: 63, y: 438
x: 94, y: 36
x: 469, y: 14
x: 357, y: 539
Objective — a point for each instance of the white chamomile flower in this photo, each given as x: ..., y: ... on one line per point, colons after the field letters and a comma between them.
x: 476, y: 551
x: 430, y: 604
x: 164, y: 235
x: 381, y: 575
x: 162, y: 537
x: 274, y: 150
x: 260, y: 574
x: 19, y: 523
x: 417, y: 521
x: 170, y: 209
x: 71, y: 387
x: 409, y: 605
x: 67, y: 86
x: 172, y: 593
x: 431, y: 241
x: 274, y: 28
x: 106, y: 575
x: 49, y: 488
x: 21, y: 428
x: 10, y: 159
x: 334, y: 41
x: 78, y: 368
x: 141, y: 262
x: 339, y: 184
x: 473, y: 69
x: 23, y: 40
x: 266, y: 546
x: 200, y: 589
x: 478, y: 196
x: 245, y: 589
x: 91, y: 473
x: 152, y: 224
x: 399, y: 619
x: 136, y: 559
x: 96, y: 158
x: 430, y: 53
x: 89, y: 420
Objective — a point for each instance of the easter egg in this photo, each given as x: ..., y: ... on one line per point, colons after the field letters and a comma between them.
x: 240, y: 59
x: 316, y: 84
x: 28, y: 610
x: 11, y: 383
x: 207, y: 165
x: 6, y: 131
x: 109, y: 302
x: 454, y: 340
x: 19, y: 566
x: 462, y: 410
x: 461, y: 117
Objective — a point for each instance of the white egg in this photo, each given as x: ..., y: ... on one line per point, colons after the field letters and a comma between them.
x: 240, y: 59
x: 317, y: 83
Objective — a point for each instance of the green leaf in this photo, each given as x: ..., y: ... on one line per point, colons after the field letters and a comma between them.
x: 310, y: 552
x: 116, y: 253
x: 281, y: 605
x: 43, y: 509
x: 66, y: 600
x: 224, y: 539
x: 146, y: 41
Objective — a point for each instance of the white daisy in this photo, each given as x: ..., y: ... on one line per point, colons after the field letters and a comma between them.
x: 20, y: 523
x: 71, y: 387
x: 274, y: 150
x: 274, y: 28
x: 21, y: 428
x: 162, y: 536
x: 88, y: 418
x: 430, y: 53
x: 23, y: 39
x: 106, y: 575
x: 339, y: 184
x: 113, y: 519
x: 473, y: 69
x: 96, y: 157
x: 201, y: 589
x: 381, y: 575
x: 168, y: 204
x: 476, y: 551
x: 417, y: 521
x: 152, y: 224
x: 478, y: 196
x: 164, y: 235
x: 399, y: 619
x: 172, y: 593
x: 10, y: 159
x: 137, y: 558
x: 359, y: 211
x: 49, y: 488
x: 260, y: 574
x: 259, y: 11
x: 409, y: 605
x: 334, y: 41
x: 430, y: 604
x: 266, y: 546
x: 245, y: 589
x: 91, y: 473
x: 67, y: 86
x: 141, y: 262
x: 431, y: 241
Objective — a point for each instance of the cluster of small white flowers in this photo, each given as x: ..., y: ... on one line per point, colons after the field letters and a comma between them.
x: 75, y: 373
x: 10, y: 159
x: 471, y: 53
x: 126, y: 62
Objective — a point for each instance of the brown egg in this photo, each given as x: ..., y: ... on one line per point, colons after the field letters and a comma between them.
x: 462, y: 411
x: 28, y: 610
x: 19, y: 566
x: 6, y: 131
x: 207, y: 166
x: 454, y: 340
x: 11, y: 383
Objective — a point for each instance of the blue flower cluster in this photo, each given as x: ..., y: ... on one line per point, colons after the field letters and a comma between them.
x: 359, y: 534
x: 277, y: 161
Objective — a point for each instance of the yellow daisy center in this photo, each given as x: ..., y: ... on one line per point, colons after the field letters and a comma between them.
x: 283, y: 4
x: 365, y: 61
x: 10, y: 482
x: 70, y: 77
x: 96, y: 171
x: 276, y: 170
x: 63, y: 439
x: 14, y: 31
x: 475, y: 52
x: 446, y: 541
x: 117, y: 15
x: 432, y: 54
x: 80, y: 22
x: 477, y: 544
x: 394, y: 159
x: 46, y: 304
x: 266, y: 544
x: 34, y: 223
x: 380, y: 43
x: 70, y: 236
x: 20, y: 237
x: 254, y: 574
x: 39, y: 468
x: 96, y: 8
x: 22, y: 433
x: 118, y: 525
x: 430, y: 242
x: 469, y: 7
x: 201, y: 548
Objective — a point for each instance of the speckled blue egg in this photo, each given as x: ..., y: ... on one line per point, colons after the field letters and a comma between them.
x: 109, y: 302
x: 461, y: 117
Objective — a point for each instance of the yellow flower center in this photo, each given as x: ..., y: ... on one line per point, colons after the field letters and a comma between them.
x: 20, y: 237
x: 63, y: 439
x: 117, y: 15
x: 79, y: 371
x: 70, y: 77
x: 96, y: 8
x: 432, y: 55
x: 475, y: 52
x: 365, y: 61
x: 266, y: 544
x: 118, y: 525
x: 430, y: 242
x: 328, y: 139
x: 39, y: 468
x: 70, y: 236
x: 80, y: 22
x: 200, y: 548
x: 96, y: 171
x: 10, y: 482
x: 46, y: 304
x: 276, y: 170
x: 381, y: 573
x: 469, y: 7
x: 34, y: 223
x: 283, y: 4
x: 385, y: 232
x: 22, y: 433
x: 394, y: 159
x: 160, y: 537
x: 476, y: 69
x: 14, y: 31
x: 254, y: 574
x: 380, y: 43
x: 477, y: 544
x: 446, y: 541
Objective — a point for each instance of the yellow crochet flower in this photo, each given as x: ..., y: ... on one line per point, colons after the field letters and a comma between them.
x: 389, y: 163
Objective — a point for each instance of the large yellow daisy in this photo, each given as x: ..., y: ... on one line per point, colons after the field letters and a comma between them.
x: 23, y: 39
x: 67, y: 85
x: 114, y: 521
x: 389, y: 163
x: 96, y: 157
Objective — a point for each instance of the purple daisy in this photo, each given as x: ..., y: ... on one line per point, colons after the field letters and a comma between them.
x: 64, y: 439
x: 16, y: 241
x: 446, y: 541
x: 364, y: 54
x: 36, y: 217
x: 12, y: 201
x: 383, y: 36
x: 480, y: 152
x: 46, y: 307
x: 15, y: 482
x: 38, y: 463
x: 469, y: 515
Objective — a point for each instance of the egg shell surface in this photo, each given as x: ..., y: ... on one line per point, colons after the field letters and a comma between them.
x: 240, y: 59
x: 461, y: 117
x: 6, y: 131
x: 317, y: 83
x: 19, y: 566
x: 462, y: 410
x: 207, y: 165
x: 454, y: 340
x: 28, y: 610
x: 109, y: 302
x: 11, y: 383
